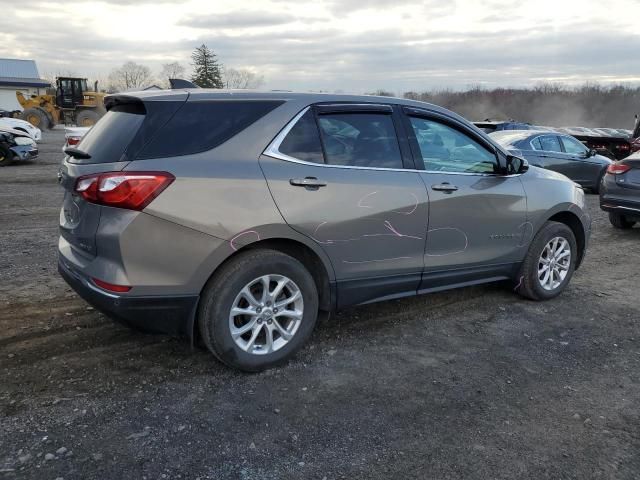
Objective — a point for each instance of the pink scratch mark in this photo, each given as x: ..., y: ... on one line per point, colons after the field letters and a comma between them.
x: 397, y: 233
x: 415, y: 207
x: 519, y: 283
x: 362, y: 199
x: 232, y: 244
x: 318, y: 228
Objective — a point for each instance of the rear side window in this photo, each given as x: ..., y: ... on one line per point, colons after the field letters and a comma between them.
x: 550, y: 144
x: 203, y: 125
x: 360, y: 140
x: 535, y: 143
x: 107, y: 141
x: 303, y: 140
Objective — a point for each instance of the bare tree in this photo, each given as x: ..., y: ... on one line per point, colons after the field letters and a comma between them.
x: 241, y: 78
x: 171, y: 70
x: 130, y: 76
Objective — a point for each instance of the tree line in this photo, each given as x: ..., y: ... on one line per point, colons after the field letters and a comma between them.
x: 207, y: 72
x: 587, y: 105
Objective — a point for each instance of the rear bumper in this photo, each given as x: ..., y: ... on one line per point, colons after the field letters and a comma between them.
x: 158, y: 314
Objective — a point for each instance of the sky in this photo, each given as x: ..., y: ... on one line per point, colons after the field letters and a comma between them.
x: 339, y: 45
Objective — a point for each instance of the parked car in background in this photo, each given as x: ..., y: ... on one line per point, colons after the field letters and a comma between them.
x: 611, y: 143
x: 558, y: 152
x: 620, y: 192
x: 16, y: 145
x: 17, y: 124
x: 73, y: 136
x: 245, y: 214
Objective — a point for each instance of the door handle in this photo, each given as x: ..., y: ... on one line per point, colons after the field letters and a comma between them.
x: 444, y: 187
x: 311, y: 182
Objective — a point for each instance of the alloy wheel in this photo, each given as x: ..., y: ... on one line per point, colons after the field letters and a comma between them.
x: 554, y: 263
x: 266, y: 314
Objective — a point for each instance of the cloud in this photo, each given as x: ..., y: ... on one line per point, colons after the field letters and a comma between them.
x: 237, y: 20
x: 349, y: 45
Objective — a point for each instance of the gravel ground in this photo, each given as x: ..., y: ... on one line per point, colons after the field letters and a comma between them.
x: 476, y: 383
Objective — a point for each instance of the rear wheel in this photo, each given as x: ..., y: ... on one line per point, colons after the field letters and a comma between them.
x: 258, y: 310
x: 6, y: 155
x: 36, y: 117
x: 87, y: 118
x: 549, y: 263
x: 620, y: 221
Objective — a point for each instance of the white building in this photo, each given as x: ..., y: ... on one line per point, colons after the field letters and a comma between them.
x: 19, y: 75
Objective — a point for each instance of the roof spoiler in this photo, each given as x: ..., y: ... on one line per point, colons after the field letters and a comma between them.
x: 179, y: 83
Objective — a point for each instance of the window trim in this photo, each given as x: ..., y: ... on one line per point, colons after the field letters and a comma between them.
x: 409, y: 112
x: 273, y: 150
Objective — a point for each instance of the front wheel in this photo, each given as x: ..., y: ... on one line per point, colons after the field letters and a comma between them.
x: 258, y: 310
x: 6, y: 155
x: 549, y: 263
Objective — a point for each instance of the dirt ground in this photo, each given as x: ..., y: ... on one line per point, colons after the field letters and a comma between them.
x: 476, y: 383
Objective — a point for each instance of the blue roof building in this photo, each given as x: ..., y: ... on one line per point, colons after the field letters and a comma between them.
x: 19, y: 75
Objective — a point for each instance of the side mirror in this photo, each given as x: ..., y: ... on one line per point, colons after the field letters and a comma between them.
x: 592, y: 153
x: 516, y: 165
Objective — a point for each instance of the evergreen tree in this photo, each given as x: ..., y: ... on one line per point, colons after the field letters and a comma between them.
x: 206, y: 69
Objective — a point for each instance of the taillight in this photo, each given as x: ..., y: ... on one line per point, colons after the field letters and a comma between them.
x: 73, y: 140
x: 130, y: 190
x: 618, y: 168
x: 110, y: 286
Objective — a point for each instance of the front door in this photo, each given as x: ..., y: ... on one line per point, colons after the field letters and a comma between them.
x: 338, y: 176
x: 477, y: 217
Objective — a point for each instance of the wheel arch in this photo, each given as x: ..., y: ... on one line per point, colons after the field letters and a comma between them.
x: 321, y: 273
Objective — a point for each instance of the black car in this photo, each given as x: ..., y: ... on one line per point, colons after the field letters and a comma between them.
x: 620, y: 192
x: 559, y: 152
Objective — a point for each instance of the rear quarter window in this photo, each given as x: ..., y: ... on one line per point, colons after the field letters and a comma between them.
x: 107, y: 141
x: 202, y: 125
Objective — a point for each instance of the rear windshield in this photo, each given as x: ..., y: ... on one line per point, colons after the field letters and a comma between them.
x: 107, y: 141
x: 160, y: 129
x: 203, y: 125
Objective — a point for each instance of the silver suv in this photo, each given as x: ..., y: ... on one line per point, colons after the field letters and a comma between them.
x: 238, y: 217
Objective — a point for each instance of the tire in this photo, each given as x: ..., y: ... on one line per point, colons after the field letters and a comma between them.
x: 529, y: 283
x: 6, y: 155
x: 36, y: 117
x: 223, y: 291
x: 87, y: 118
x: 620, y: 221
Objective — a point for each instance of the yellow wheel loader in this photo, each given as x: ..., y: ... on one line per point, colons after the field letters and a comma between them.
x: 70, y: 103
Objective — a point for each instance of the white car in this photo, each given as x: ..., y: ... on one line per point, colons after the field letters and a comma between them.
x: 73, y: 135
x: 17, y: 124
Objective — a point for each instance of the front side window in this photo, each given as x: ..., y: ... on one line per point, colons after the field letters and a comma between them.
x: 303, y: 140
x: 360, y: 140
x: 535, y: 143
x: 445, y: 149
x: 550, y: 143
x: 573, y: 146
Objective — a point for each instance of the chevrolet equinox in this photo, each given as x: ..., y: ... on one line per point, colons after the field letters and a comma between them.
x: 237, y: 217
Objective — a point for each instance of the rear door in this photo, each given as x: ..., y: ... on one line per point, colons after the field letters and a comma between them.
x: 477, y: 216
x: 339, y: 175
